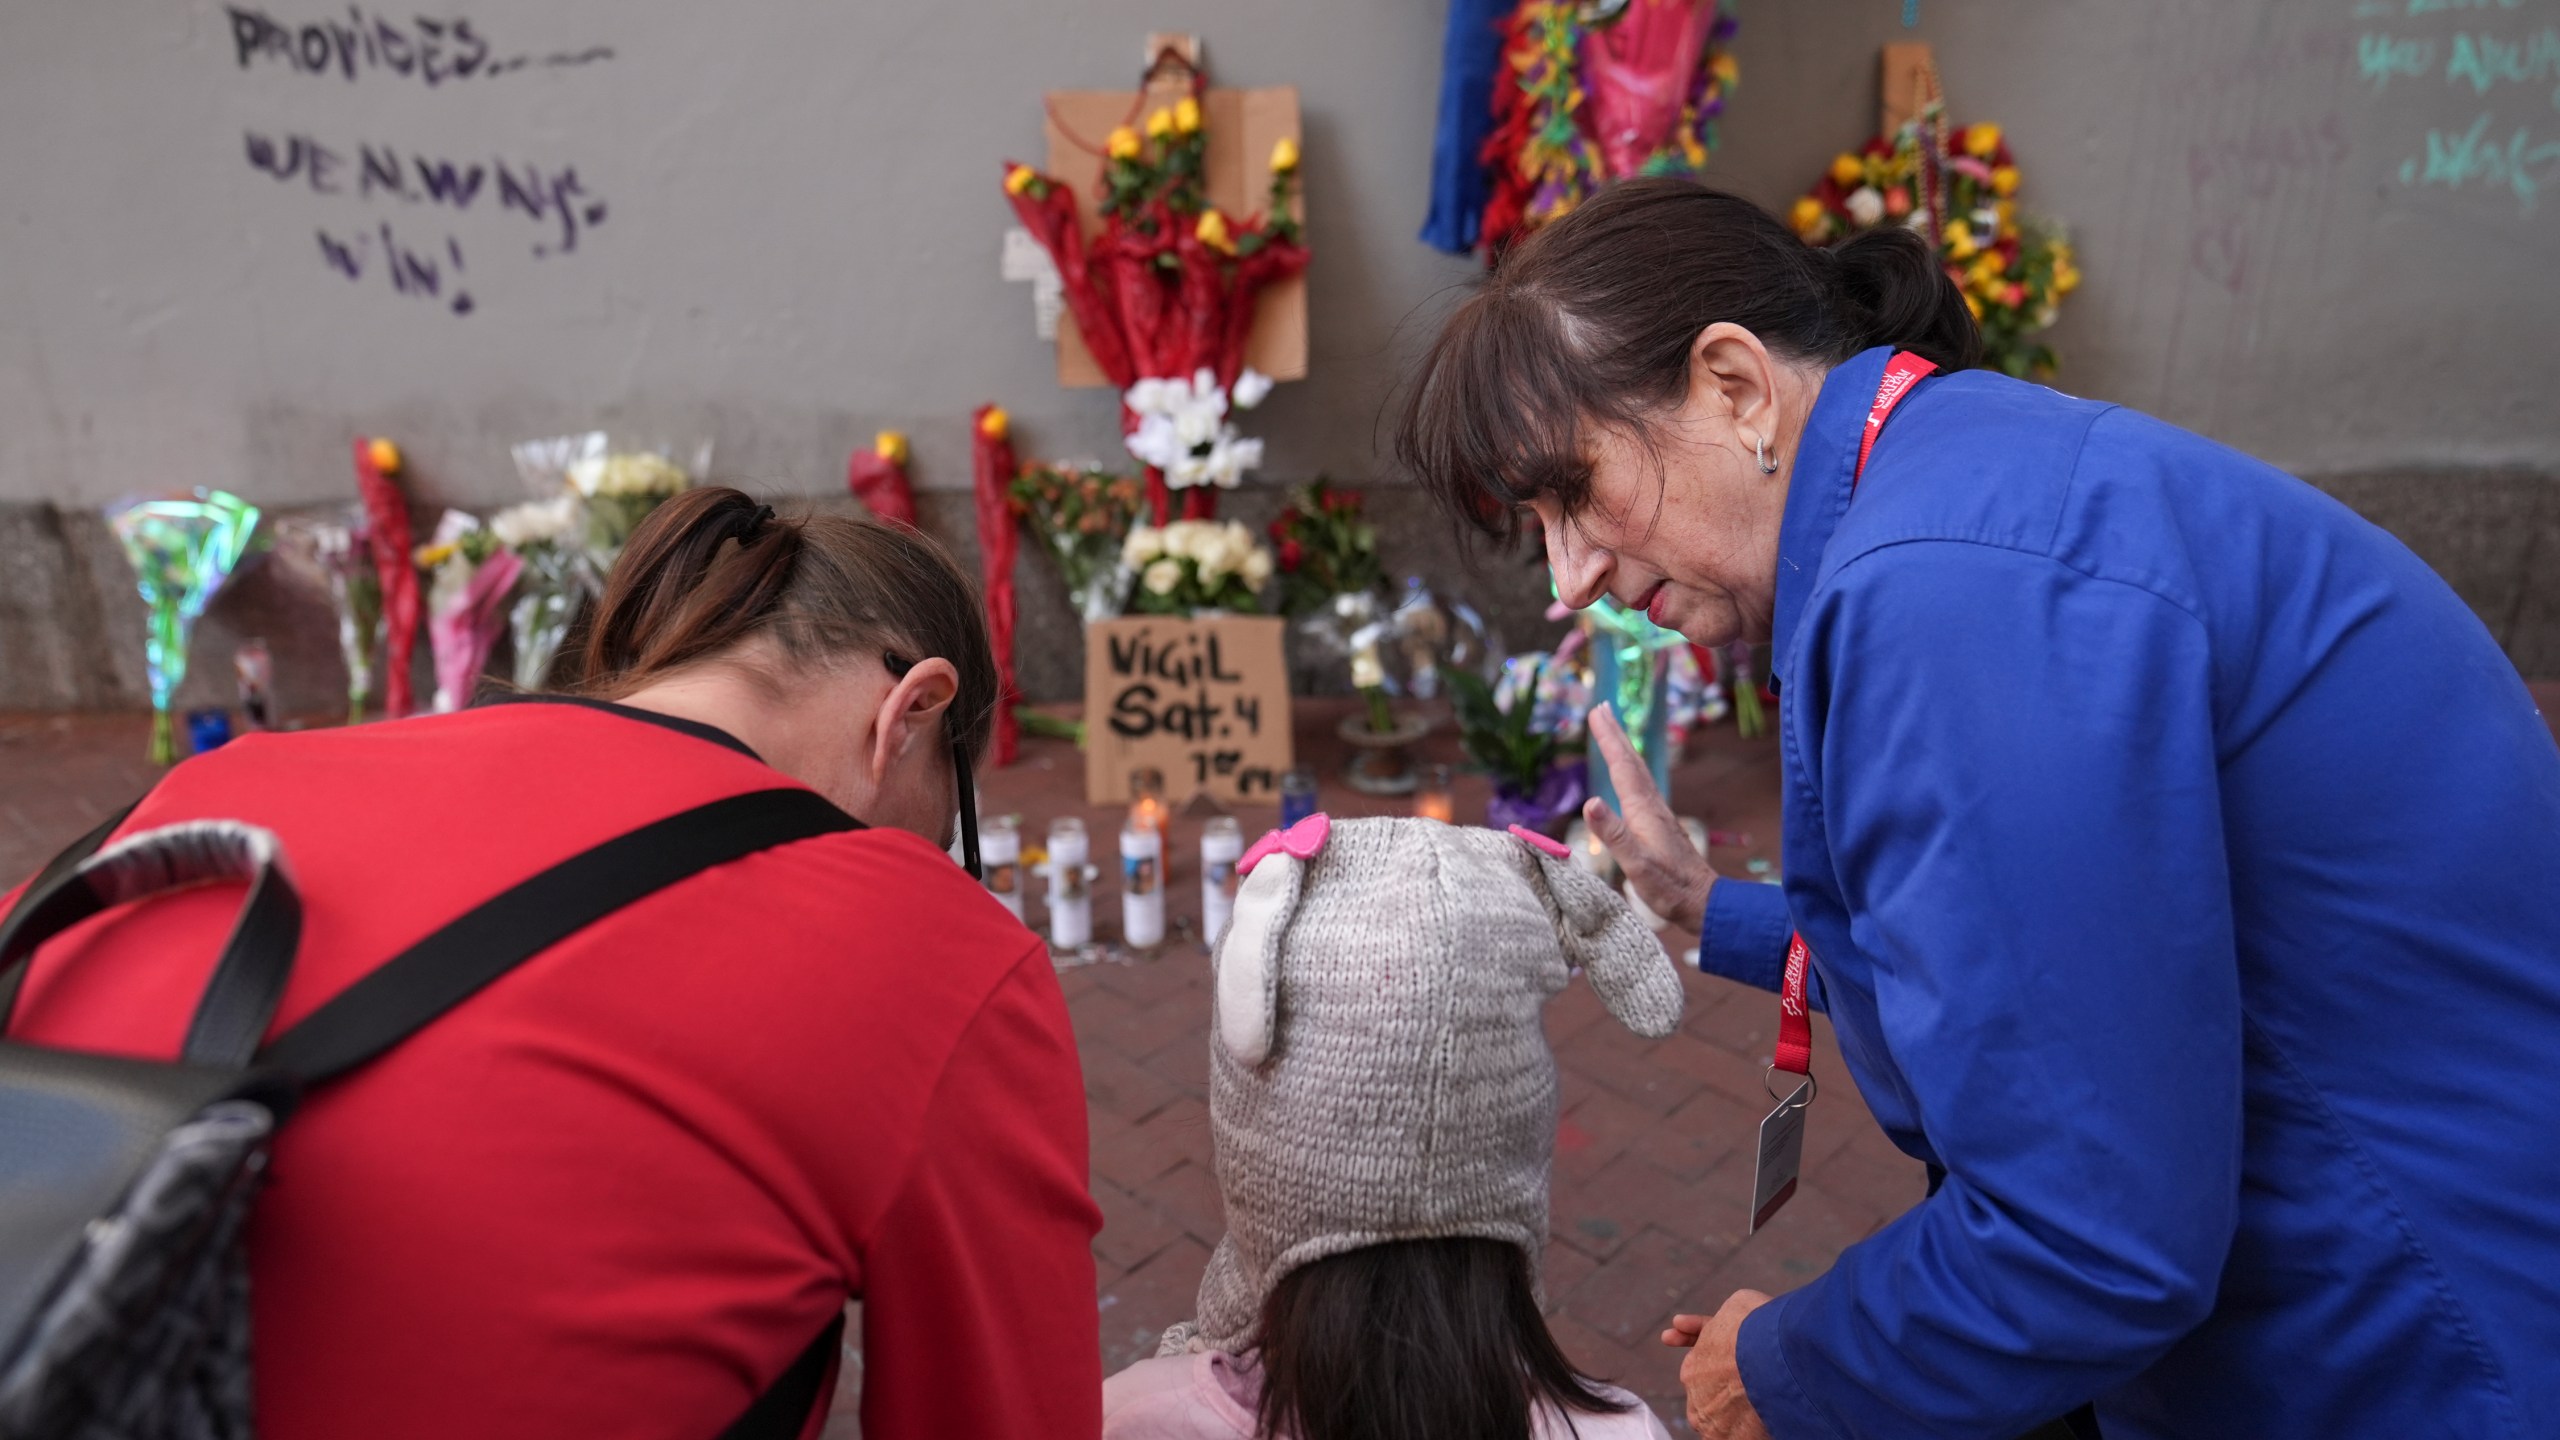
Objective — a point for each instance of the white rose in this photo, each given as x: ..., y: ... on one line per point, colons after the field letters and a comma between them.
x: 585, y: 475
x: 1865, y: 204
x: 1366, y: 671
x: 1163, y: 577
x: 1251, y: 387
x: 1257, y: 568
x: 1213, y: 572
x: 1145, y: 543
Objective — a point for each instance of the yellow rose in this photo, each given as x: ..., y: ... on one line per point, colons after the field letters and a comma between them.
x: 994, y: 423
x: 1982, y: 141
x: 1186, y: 115
x: 1123, y: 144
x: 1973, y: 305
x: 1284, y: 155
x: 2066, y: 278
x: 2004, y: 181
x: 1806, y: 217
x: 1160, y: 124
x: 1019, y: 178
x: 384, y: 455
x: 890, y: 445
x: 1847, y: 169
x: 1960, y: 244
x: 1212, y: 232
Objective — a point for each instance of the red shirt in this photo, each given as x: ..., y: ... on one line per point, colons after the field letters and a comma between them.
x: 620, y: 1189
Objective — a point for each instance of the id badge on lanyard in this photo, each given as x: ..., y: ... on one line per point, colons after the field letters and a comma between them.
x: 1781, y: 1154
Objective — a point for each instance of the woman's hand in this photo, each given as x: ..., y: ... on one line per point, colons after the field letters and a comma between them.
x: 1668, y: 873
x: 1718, y: 1408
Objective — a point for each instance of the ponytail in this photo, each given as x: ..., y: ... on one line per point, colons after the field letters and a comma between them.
x: 712, y: 569
x: 705, y: 570
x: 1589, y: 322
x: 1892, y: 291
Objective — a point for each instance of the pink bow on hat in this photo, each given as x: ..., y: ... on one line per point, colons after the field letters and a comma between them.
x: 1301, y: 841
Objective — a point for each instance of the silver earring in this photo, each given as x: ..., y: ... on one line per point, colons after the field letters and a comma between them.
x: 1768, y: 466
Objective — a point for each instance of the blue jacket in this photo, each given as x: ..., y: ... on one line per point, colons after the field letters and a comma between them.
x: 2180, y: 860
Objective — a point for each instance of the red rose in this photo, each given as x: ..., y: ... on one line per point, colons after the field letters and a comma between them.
x: 1292, y: 555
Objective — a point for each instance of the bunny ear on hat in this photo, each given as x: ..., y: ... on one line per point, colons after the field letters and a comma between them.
x: 1601, y: 933
x: 1249, y: 955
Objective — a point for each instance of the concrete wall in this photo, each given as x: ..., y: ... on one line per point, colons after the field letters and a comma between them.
x: 787, y: 226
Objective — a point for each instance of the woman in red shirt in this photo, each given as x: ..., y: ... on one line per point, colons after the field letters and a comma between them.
x: 618, y: 1191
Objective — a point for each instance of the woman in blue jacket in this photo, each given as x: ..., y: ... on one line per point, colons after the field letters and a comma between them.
x: 2104, y: 752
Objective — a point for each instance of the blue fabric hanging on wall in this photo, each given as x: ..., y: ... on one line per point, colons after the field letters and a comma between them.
x: 1469, y: 60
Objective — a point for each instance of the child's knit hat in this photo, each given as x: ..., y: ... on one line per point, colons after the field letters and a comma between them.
x: 1379, y: 1071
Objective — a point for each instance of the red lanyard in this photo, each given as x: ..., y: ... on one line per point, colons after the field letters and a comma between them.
x: 1795, y: 1024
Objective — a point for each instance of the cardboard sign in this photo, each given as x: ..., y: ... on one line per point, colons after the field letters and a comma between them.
x: 1907, y: 82
x: 1206, y: 701
x: 1243, y: 125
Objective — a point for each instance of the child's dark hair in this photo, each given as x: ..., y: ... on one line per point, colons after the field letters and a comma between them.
x: 1415, y: 1340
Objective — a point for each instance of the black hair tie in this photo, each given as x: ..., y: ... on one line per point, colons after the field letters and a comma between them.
x: 755, y: 523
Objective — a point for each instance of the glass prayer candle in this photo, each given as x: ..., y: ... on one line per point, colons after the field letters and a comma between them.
x: 1221, y: 846
x: 1141, y: 886
x: 1000, y: 849
x: 1070, y: 898
x: 1147, y: 807
x: 1297, y: 796
x: 1431, y: 797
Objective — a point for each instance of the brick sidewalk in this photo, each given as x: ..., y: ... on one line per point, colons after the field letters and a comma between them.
x: 1652, y: 1172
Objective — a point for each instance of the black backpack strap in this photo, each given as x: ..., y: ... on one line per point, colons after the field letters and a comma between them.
x: 782, y: 1411
x: 60, y: 865
x: 449, y: 966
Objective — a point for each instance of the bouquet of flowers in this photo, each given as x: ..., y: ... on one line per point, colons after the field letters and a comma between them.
x: 1590, y: 93
x: 337, y: 553
x: 183, y: 547
x: 878, y: 478
x: 616, y: 488
x: 1166, y: 290
x: 1082, y: 512
x: 386, y: 512
x: 1325, y: 548
x: 1182, y: 431
x: 1498, y: 729
x: 1195, y: 565
x: 551, y: 579
x: 472, y: 574
x: 1959, y: 188
x: 992, y: 468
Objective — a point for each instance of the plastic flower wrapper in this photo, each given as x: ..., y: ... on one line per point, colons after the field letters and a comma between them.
x: 616, y: 485
x: 183, y: 547
x: 386, y: 513
x: 1435, y: 638
x: 1193, y: 565
x: 466, y: 599
x: 551, y: 580
x: 993, y: 466
x: 334, y: 552
x: 1083, y: 513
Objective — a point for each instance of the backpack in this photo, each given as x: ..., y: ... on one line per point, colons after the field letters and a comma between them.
x: 126, y: 1185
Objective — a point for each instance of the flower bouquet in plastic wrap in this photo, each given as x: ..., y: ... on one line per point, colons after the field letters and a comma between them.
x: 551, y: 579
x: 1517, y: 729
x: 1083, y: 512
x: 616, y: 486
x: 183, y: 547
x: 335, y: 552
x: 470, y: 575
x: 1193, y: 565
x: 1325, y: 546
